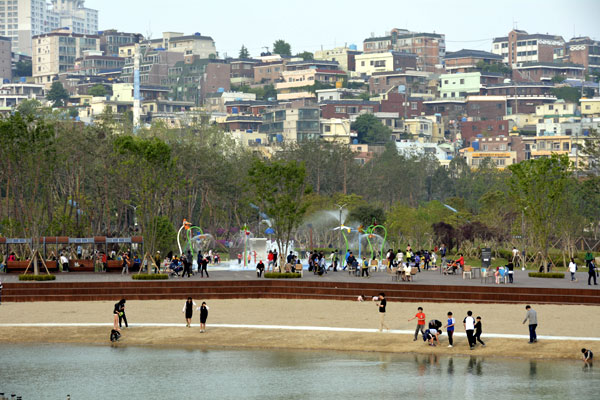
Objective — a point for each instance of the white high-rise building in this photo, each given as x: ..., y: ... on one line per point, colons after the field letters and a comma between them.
x: 22, y: 19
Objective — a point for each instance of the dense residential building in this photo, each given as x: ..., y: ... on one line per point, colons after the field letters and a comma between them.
x: 430, y: 48
x: 337, y: 130
x: 409, y: 81
x: 545, y: 71
x: 95, y: 63
x: 217, y: 102
x: 522, y: 97
x: 485, y: 108
x: 468, y: 83
x: 20, y: 20
x: 292, y: 124
x: 269, y: 72
x: 502, y: 151
x: 584, y: 51
x: 111, y: 40
x: 370, y: 63
x: 344, y: 56
x: 154, y: 67
x: 12, y: 94
x: 466, y: 60
x: 56, y: 52
x: 308, y: 77
x: 471, y: 130
x: 590, y: 107
x: 347, y: 109
x: 520, y: 47
x: 5, y: 59
x: 242, y: 71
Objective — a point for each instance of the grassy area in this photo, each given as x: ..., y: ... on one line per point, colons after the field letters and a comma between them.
x: 476, y: 262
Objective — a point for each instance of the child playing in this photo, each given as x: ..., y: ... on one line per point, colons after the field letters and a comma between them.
x: 478, y: 331
x: 450, y: 328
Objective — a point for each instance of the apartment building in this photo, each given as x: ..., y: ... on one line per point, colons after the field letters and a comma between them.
x: 584, y: 51
x: 337, y: 130
x: 242, y: 71
x: 269, y: 72
x: 307, y: 77
x: 56, y: 52
x: 94, y: 63
x: 590, y: 107
x: 466, y: 60
x: 12, y: 94
x: 430, y: 48
x: 545, y: 71
x: 292, y: 124
x: 344, y: 56
x: 5, y: 59
x: 502, y: 151
x: 196, y: 44
x: 522, y: 47
x: 409, y: 81
x: 20, y: 20
x: 370, y: 63
x: 111, y: 40
x: 154, y: 67
x: 468, y: 83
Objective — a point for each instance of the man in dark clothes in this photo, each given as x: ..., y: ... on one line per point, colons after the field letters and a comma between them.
x: 260, y: 267
x: 204, y: 264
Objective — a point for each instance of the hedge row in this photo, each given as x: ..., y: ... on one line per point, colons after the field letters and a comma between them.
x: 282, y: 275
x: 149, y: 277
x: 37, y: 277
x: 556, y: 275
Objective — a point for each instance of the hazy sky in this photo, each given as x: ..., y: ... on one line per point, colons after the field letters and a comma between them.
x: 310, y: 24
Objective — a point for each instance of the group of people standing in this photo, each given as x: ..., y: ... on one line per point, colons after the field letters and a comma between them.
x: 184, y: 264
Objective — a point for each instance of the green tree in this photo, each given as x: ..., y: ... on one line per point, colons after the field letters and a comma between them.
x: 98, y: 91
x: 498, y: 68
x: 244, y: 53
x: 567, y: 93
x: 538, y: 189
x: 370, y: 129
x: 306, y: 55
x: 29, y: 107
x: 280, y: 190
x: 367, y: 215
x: 282, y: 48
x: 23, y: 68
x: 57, y: 94
x: 149, y: 166
x: 558, y: 79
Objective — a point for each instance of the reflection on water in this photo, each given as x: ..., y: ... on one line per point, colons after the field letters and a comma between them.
x: 90, y: 372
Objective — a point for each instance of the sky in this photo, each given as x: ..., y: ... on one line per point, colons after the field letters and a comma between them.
x: 314, y: 24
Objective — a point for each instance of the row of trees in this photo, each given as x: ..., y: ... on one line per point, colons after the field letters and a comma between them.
x: 62, y: 178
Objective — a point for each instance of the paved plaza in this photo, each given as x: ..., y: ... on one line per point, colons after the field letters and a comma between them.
x: 225, y: 272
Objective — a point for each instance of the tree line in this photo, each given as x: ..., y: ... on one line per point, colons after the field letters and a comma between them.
x: 59, y: 177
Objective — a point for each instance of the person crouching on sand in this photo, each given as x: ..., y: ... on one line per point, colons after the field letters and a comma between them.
x: 188, y: 309
x: 203, y: 316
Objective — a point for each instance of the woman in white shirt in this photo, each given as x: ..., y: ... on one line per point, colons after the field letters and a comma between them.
x: 573, y: 269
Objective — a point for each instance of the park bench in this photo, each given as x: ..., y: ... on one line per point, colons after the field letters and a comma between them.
x: 21, y: 266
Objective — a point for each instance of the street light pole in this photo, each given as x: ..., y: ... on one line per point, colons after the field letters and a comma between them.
x: 341, y: 207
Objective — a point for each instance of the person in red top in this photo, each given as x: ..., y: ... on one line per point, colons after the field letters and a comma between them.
x: 461, y: 260
x: 420, y: 316
x: 270, y: 260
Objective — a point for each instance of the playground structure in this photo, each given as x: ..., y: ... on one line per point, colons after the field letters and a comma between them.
x: 195, y: 239
x: 361, y: 233
x: 83, y: 253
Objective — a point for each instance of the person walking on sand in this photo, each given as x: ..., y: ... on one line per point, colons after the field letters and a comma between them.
x: 381, y: 305
x: 120, y: 309
x: 587, y: 355
x: 203, y: 316
x: 188, y: 309
x: 116, y: 317
x: 478, y: 332
x: 450, y: 329
x: 420, y: 316
x: 469, y: 324
x: 531, y: 316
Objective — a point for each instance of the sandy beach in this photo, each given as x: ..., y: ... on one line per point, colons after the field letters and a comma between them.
x: 576, y: 321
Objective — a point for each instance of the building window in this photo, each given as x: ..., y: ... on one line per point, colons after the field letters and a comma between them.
x: 462, y: 81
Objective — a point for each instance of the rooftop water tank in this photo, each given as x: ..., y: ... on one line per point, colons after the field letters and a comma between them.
x: 353, y: 47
